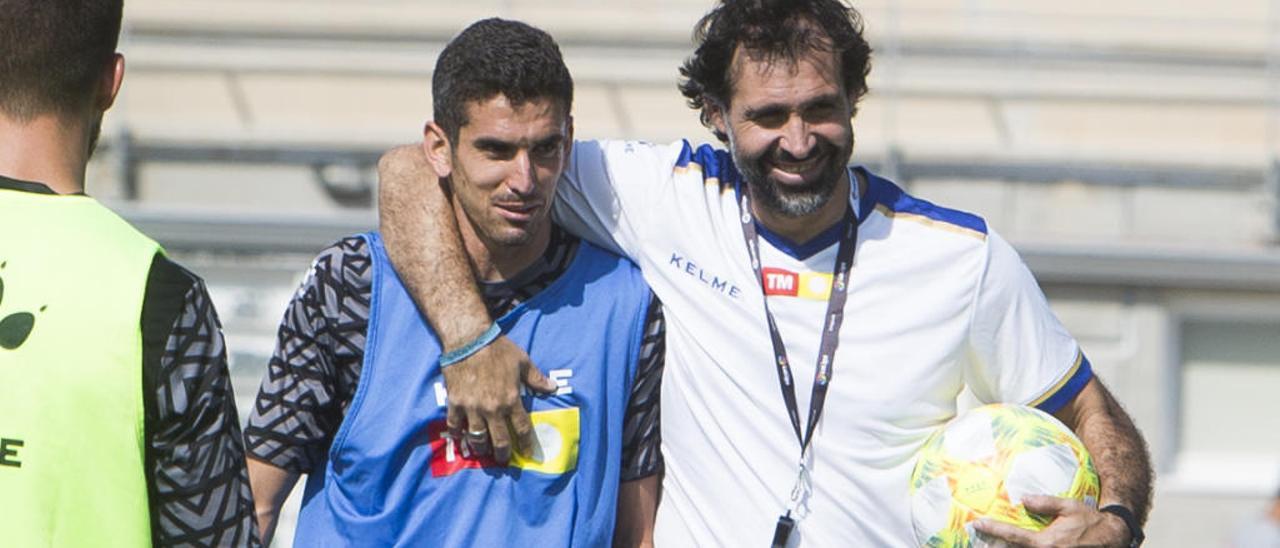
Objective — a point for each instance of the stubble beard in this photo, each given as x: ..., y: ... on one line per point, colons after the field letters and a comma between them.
x: 513, y: 239
x: 792, y: 202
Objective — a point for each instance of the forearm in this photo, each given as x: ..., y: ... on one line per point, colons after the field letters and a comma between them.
x: 637, y: 510
x: 271, y: 486
x: 423, y: 242
x: 1119, y: 452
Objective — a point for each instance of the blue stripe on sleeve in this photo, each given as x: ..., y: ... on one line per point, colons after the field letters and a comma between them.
x: 1069, y: 389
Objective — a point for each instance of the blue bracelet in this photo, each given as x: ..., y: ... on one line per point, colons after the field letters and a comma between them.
x: 457, y: 355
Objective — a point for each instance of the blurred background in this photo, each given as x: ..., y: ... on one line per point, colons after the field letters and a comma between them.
x: 1127, y: 148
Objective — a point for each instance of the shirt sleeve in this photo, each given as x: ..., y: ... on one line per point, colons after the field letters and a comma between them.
x: 1020, y: 352
x: 606, y: 190
x: 313, y: 372
x: 641, y: 435
x: 197, y: 481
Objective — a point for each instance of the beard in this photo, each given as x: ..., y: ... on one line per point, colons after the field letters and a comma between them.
x: 791, y: 200
x: 511, y: 238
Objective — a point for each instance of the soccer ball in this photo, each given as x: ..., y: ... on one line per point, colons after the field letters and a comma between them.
x: 983, y: 462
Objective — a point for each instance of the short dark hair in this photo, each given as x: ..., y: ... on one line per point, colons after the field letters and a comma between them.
x: 778, y: 30
x: 497, y: 56
x: 52, y: 52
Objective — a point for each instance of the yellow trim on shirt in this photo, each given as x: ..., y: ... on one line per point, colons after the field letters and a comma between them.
x: 1062, y: 382
x: 707, y: 181
x: 695, y: 166
x: 930, y: 222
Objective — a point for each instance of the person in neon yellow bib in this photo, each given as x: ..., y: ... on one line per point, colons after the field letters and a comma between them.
x: 117, y: 421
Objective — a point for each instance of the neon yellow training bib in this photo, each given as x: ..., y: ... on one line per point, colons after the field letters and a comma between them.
x: 72, y: 281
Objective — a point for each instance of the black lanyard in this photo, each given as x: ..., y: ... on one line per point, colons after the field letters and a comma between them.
x: 830, y: 334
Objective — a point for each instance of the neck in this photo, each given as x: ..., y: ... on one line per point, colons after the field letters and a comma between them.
x: 47, y: 149
x: 806, y: 227
x: 495, y: 262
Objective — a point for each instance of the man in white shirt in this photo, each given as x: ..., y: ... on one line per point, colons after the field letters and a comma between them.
x: 784, y: 271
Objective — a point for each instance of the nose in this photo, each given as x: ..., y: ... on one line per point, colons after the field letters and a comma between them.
x: 796, y: 138
x: 524, y: 178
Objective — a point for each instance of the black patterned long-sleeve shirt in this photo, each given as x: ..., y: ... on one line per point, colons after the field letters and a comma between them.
x: 197, y: 481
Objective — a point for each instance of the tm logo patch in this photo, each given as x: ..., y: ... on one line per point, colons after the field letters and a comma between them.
x: 814, y: 286
x: 16, y: 327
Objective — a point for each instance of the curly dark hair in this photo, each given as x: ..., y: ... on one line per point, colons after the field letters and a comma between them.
x: 774, y: 30
x: 54, y: 51
x: 495, y: 56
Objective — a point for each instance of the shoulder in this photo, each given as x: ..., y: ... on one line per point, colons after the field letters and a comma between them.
x: 600, y: 259
x: 679, y: 157
x: 710, y: 160
x: 171, y: 290
x: 167, y: 277
x: 345, y: 264
x: 110, y: 226
x: 616, y: 276
x: 713, y: 165
x: 888, y: 200
x: 349, y: 252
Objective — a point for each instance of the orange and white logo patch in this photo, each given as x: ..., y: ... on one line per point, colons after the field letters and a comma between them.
x: 555, y: 451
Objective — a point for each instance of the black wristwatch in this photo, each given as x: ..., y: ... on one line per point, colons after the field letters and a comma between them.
x: 1135, y: 529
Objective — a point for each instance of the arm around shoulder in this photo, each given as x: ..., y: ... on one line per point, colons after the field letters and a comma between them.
x: 425, y: 246
x: 423, y: 242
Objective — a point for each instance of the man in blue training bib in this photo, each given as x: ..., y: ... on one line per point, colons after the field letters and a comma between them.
x: 355, y: 395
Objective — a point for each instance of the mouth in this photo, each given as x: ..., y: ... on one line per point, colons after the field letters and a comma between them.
x: 791, y: 172
x: 518, y: 212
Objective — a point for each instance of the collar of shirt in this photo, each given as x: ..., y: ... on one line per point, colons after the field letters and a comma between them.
x: 501, y: 297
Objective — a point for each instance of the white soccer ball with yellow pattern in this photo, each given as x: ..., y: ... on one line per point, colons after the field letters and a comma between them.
x: 984, y: 462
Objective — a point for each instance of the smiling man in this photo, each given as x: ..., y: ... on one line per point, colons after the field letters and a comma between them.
x: 355, y: 396
x: 785, y: 273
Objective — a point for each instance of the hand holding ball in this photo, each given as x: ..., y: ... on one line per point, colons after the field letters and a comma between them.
x: 984, y: 462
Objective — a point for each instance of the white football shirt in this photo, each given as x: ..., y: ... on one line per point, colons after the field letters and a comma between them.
x: 936, y: 301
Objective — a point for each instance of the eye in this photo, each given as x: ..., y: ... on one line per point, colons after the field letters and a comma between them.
x: 546, y: 150
x: 769, y: 119
x: 497, y: 151
x: 820, y: 112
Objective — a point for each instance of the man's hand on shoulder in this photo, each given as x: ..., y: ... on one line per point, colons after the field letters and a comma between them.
x: 484, y: 395
x: 1074, y: 524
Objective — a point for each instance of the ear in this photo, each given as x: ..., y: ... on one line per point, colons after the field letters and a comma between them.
x: 109, y: 83
x: 716, y: 115
x: 435, y: 143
